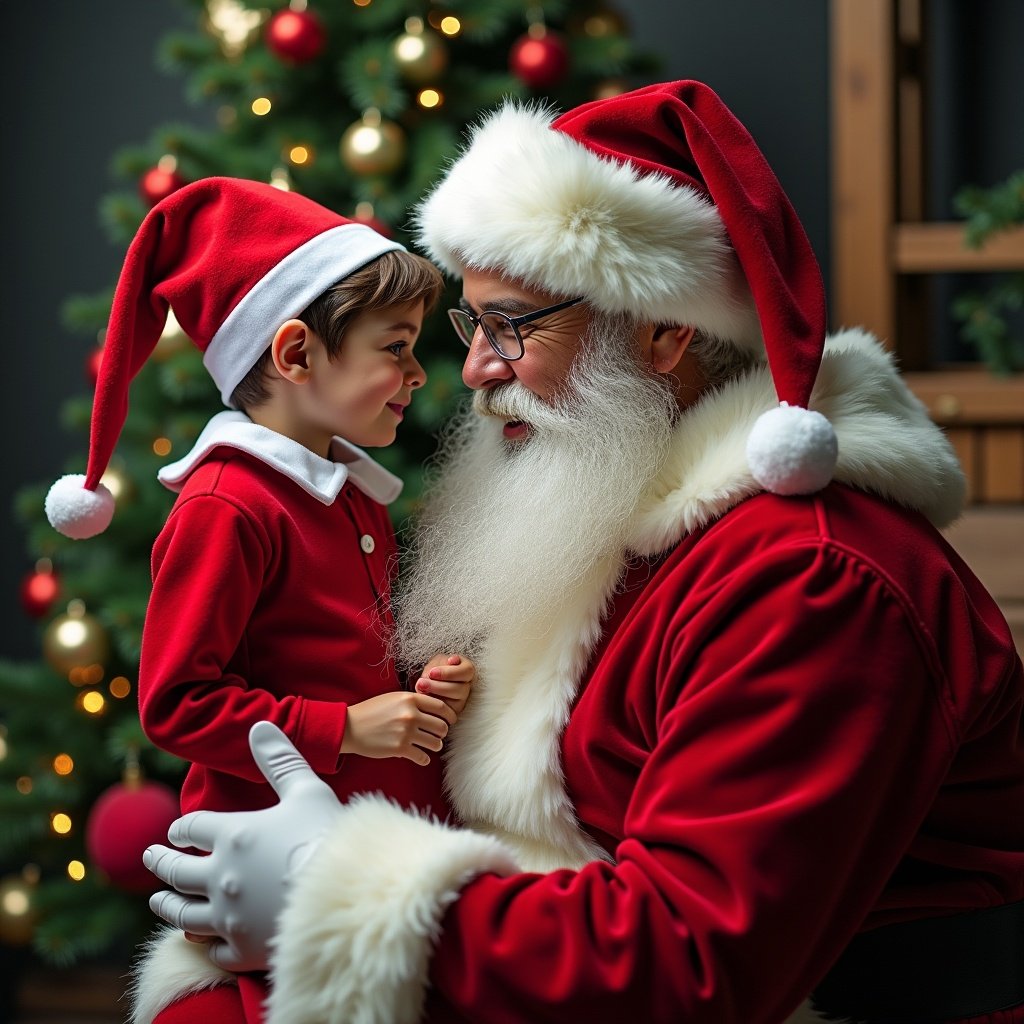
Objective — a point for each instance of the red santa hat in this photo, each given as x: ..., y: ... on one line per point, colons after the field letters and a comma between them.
x: 234, y: 259
x: 658, y: 203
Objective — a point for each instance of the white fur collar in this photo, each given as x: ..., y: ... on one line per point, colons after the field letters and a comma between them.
x: 887, y: 445
x: 322, y: 478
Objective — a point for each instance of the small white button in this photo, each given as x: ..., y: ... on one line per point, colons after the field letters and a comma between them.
x: 367, y: 544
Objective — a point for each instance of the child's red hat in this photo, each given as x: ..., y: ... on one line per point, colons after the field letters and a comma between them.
x: 234, y: 259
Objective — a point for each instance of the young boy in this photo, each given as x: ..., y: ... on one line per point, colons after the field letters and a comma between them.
x: 271, y: 576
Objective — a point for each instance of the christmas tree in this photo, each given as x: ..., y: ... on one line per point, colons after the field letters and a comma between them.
x: 356, y: 104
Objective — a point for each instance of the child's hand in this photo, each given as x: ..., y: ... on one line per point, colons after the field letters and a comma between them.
x: 450, y: 677
x: 397, y: 724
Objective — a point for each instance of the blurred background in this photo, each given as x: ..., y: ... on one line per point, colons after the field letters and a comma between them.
x: 895, y: 126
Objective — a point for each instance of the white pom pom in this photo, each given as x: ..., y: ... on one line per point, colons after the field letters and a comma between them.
x: 76, y: 512
x: 792, y: 450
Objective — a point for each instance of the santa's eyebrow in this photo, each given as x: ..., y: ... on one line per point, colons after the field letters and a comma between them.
x: 510, y: 307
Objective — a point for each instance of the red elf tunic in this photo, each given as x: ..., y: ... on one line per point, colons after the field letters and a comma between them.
x: 270, y: 598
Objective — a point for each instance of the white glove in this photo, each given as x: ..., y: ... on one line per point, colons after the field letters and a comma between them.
x: 237, y: 892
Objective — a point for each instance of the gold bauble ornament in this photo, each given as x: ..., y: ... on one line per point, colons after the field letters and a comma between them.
x: 172, y: 339
x: 233, y: 25
x: 18, y: 914
x: 372, y: 145
x: 120, y: 485
x: 75, y: 640
x: 420, y: 54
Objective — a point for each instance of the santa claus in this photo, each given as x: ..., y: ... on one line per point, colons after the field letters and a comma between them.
x: 746, y: 729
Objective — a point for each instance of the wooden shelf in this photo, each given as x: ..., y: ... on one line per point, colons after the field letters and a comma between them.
x: 936, y: 248
x: 971, y: 395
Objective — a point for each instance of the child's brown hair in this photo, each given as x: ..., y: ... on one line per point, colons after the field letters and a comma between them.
x: 395, y: 278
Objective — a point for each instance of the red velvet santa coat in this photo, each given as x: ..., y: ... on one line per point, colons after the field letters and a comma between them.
x: 801, y: 720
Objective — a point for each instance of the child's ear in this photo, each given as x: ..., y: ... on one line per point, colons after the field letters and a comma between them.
x: 290, y: 351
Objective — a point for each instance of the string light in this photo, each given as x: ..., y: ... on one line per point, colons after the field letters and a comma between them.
x: 92, y: 702
x: 76, y: 870
x: 162, y: 446
x: 300, y: 155
x: 261, y: 106
x: 60, y: 823
x: 280, y: 180
x: 23, y: 785
x: 3, y: 742
x: 450, y: 25
x: 120, y: 687
x: 63, y: 764
x: 429, y: 98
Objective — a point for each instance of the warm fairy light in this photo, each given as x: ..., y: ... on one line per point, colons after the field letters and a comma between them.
x: 113, y: 482
x: 162, y: 447
x: 71, y: 634
x: 92, y: 674
x: 76, y: 870
x: 280, y: 180
x: 168, y: 163
x: 450, y: 25
x: 60, y: 823
x: 63, y: 764
x: 76, y: 677
x: 120, y: 687
x: 16, y: 903
x: 93, y: 702
x: 261, y: 106
x: 429, y: 98
x: 299, y: 155
x: 362, y: 3
x: 23, y: 785
x: 3, y: 742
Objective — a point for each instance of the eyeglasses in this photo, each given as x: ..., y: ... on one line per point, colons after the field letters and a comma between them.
x: 500, y: 330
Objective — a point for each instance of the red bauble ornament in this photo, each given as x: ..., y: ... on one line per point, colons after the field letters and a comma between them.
x: 365, y: 215
x: 92, y: 364
x: 296, y: 37
x: 158, y: 183
x: 540, y: 58
x: 126, y: 819
x: 39, y: 589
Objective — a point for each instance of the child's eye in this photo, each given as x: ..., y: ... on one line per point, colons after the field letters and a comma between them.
x: 396, y: 348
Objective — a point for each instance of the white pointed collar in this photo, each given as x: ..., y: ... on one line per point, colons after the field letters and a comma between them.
x: 320, y: 477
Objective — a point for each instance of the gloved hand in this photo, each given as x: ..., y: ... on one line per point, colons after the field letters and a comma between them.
x: 237, y: 892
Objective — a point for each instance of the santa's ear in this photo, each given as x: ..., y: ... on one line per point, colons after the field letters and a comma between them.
x: 668, y: 346
x: 290, y: 350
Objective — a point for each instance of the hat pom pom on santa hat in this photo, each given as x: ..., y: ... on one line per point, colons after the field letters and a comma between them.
x: 77, y: 512
x: 791, y: 450
x: 234, y: 259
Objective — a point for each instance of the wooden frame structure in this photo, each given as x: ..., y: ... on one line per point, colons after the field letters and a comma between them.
x: 882, y: 247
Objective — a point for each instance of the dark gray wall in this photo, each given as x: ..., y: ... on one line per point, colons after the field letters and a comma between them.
x: 80, y: 81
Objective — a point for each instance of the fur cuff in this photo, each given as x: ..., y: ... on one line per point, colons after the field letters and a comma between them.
x: 169, y: 968
x: 356, y: 935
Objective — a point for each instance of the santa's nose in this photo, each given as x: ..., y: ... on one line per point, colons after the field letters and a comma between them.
x: 483, y: 367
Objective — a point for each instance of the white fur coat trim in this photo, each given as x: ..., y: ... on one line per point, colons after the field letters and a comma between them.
x: 170, y: 968
x: 356, y: 935
x: 546, y: 209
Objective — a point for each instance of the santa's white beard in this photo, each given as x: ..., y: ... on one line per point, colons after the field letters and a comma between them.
x: 508, y: 529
